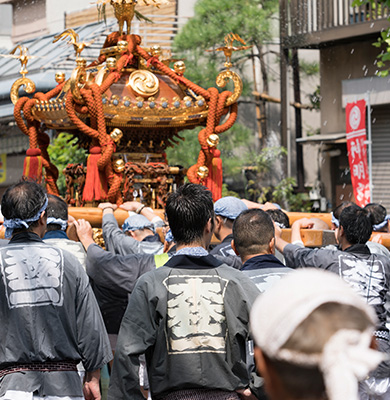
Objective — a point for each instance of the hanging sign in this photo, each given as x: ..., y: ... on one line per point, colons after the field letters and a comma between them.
x: 3, y: 168
x: 357, y: 151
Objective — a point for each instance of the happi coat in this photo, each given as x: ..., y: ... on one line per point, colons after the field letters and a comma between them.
x: 190, y: 319
x: 48, y: 312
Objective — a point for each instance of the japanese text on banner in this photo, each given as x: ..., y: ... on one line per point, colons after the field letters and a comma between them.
x: 357, y: 151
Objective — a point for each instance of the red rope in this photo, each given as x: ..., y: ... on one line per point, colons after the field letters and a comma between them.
x: 38, y: 138
x: 93, y: 107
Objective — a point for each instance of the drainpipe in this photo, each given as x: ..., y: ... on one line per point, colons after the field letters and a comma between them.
x: 298, y: 121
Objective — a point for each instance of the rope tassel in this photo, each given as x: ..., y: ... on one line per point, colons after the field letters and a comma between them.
x: 95, y: 182
x: 33, y: 163
x: 215, y: 178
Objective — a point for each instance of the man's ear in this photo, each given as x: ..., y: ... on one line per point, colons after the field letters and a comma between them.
x: 272, y: 382
x: 234, y: 247
x: 218, y: 222
x: 374, y: 343
x: 260, y: 361
x: 272, y: 246
x: 211, y: 225
x: 341, y: 231
x: 43, y: 218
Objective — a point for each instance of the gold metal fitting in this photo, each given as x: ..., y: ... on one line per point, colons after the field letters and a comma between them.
x: 97, y: 235
x: 60, y: 77
x: 174, y: 170
x: 118, y: 165
x: 203, y: 172
x: 122, y: 46
x: 116, y: 135
x: 111, y: 63
x: 156, y: 51
x: 81, y: 62
x: 144, y: 83
x: 213, y: 140
x: 179, y: 67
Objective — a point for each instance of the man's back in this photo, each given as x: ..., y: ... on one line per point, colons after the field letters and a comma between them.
x: 264, y: 270
x: 48, y: 318
x: 186, y: 315
x: 189, y: 317
x: 368, y: 274
x: 75, y: 248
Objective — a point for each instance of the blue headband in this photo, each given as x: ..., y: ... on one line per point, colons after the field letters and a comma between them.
x: 16, y: 223
x: 169, y: 237
x: 335, y: 220
x: 136, y: 222
x: 58, y: 221
x: 280, y: 225
x: 378, y: 227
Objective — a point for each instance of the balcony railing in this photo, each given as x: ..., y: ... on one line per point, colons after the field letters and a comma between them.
x: 333, y: 19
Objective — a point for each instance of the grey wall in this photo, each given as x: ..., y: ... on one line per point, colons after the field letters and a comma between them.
x: 338, y: 63
x: 186, y: 8
x: 5, y: 25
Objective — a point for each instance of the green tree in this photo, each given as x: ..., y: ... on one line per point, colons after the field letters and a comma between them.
x: 63, y: 151
x: 213, y: 20
x: 253, y: 20
x: 283, y: 192
x: 236, y: 147
x: 383, y: 41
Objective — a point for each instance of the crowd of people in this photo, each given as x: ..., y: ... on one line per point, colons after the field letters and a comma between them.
x: 175, y: 316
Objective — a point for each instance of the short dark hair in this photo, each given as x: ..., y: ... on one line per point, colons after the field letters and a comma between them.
x: 23, y: 200
x: 357, y: 224
x: 377, y: 211
x: 56, y: 208
x: 279, y: 216
x: 188, y: 210
x: 252, y: 232
x: 338, y: 210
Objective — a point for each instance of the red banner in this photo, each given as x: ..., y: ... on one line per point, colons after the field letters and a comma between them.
x: 357, y: 151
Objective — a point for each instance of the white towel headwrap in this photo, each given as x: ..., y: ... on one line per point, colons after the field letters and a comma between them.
x: 346, y: 358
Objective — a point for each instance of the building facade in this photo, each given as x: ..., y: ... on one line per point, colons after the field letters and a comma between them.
x: 343, y: 36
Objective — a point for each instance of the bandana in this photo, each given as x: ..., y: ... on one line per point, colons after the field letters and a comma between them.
x: 169, y: 237
x: 16, y: 223
x: 58, y: 221
x: 280, y: 225
x: 378, y: 227
x: 136, y: 222
x: 335, y: 220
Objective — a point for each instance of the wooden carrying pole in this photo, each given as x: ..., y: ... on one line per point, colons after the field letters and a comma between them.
x: 310, y: 237
x: 94, y: 215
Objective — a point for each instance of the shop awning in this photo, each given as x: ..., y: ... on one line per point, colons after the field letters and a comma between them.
x: 330, y: 138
